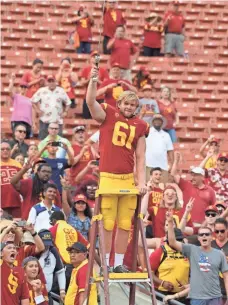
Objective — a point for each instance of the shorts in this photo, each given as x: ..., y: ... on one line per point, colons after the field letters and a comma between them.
x: 174, y: 43
x: 118, y: 208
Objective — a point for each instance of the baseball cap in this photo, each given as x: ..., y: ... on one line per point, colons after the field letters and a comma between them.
x: 95, y: 52
x: 116, y: 64
x: 211, y: 208
x: 3, y: 245
x: 27, y: 238
x: 223, y: 156
x: 46, y: 237
x: 153, y: 15
x: 50, y: 77
x: 76, y: 129
x: 23, y: 84
x: 147, y: 87
x: 216, y: 140
x: 78, y: 246
x: 80, y: 197
x: 198, y: 170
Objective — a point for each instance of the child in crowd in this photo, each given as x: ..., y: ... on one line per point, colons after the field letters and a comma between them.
x: 147, y: 105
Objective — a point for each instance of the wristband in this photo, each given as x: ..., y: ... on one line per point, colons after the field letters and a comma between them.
x: 34, y: 234
x: 39, y: 299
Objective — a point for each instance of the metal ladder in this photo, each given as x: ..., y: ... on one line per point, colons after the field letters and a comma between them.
x: 133, y: 277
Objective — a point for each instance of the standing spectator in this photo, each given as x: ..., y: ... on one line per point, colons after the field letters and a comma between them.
x: 168, y: 110
x: 205, y: 265
x: 121, y: 51
x: 204, y: 195
x: 159, y: 148
x: 53, y: 130
x: 211, y: 213
x: 152, y: 35
x: 67, y: 79
x: 112, y: 88
x: 85, y: 77
x: 18, y: 143
x: 217, y: 177
x: 39, y: 214
x: 32, y: 189
x: 88, y: 188
x: 213, y: 148
x: 10, y: 199
x: 22, y: 106
x: 147, y: 105
x: 174, y: 31
x: 34, y: 79
x: 113, y: 17
x: 51, y: 100
x: 142, y: 78
x: 84, y: 23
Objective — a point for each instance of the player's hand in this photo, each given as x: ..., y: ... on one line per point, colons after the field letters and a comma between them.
x: 149, y: 185
x: 189, y: 205
x: 94, y: 72
x: 142, y: 189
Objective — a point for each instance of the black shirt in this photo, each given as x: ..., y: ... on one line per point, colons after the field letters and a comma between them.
x: 22, y: 147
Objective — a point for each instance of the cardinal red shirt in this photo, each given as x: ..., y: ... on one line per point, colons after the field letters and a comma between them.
x: 118, y: 141
x: 175, y: 23
x: 14, y: 287
x: 111, y: 95
x: 24, y: 252
x: 219, y: 183
x: 152, y: 36
x: 169, y: 113
x: 155, y: 198
x: 84, y: 29
x: 28, y: 77
x: 203, y: 198
x: 32, y: 295
x: 29, y: 201
x: 121, y: 52
x: 112, y: 18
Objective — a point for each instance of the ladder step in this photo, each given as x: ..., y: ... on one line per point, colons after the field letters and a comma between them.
x: 125, y: 277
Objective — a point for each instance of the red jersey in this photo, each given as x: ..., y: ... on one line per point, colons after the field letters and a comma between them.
x: 111, y: 95
x: 66, y: 84
x: 152, y: 36
x: 87, y: 156
x: 155, y: 198
x: 203, y: 197
x: 28, y: 77
x: 9, y: 196
x: 121, y: 52
x: 32, y: 295
x: 118, y: 141
x: 14, y: 287
x: 175, y: 23
x: 158, y: 220
x: 169, y: 113
x: 112, y: 18
x: 219, y: 183
x: 29, y: 201
x: 84, y: 29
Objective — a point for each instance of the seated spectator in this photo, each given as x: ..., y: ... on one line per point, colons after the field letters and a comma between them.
x: 54, y: 104
x: 34, y: 79
x: 85, y: 78
x: 22, y: 106
x: 19, y: 157
x: 14, y: 289
x: 84, y: 23
x: 67, y: 79
x: 76, y: 291
x: 32, y: 189
x: 213, y: 148
x: 10, y: 199
x: 142, y: 78
x: 18, y: 144
x: 37, y: 290
x: 112, y: 88
x: 174, y: 31
x: 39, y: 214
x: 113, y: 17
x: 217, y: 177
x: 147, y: 105
x: 121, y: 51
x: 152, y: 35
x: 53, y: 130
x: 159, y: 148
x: 168, y: 110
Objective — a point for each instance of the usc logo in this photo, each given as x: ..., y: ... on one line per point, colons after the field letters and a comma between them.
x: 12, y: 283
x: 83, y: 23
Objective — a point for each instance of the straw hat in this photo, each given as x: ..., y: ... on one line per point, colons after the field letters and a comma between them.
x: 153, y: 16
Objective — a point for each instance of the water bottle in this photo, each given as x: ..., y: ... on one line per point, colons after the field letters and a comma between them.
x: 186, y: 55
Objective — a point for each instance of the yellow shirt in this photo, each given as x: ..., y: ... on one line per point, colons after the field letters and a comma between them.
x: 211, y: 162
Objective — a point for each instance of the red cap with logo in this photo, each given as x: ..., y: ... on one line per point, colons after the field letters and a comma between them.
x: 95, y: 52
x: 211, y: 208
x: 80, y: 197
x: 223, y: 155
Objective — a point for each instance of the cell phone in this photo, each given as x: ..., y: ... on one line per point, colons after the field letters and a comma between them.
x: 56, y: 144
x: 96, y: 162
x: 21, y: 223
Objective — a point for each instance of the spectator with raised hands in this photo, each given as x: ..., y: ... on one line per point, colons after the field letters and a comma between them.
x: 91, y: 171
x: 213, y: 150
x: 142, y: 78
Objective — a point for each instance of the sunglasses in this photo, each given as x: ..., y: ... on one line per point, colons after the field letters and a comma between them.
x: 21, y: 131
x: 204, y: 234
x: 5, y: 148
x: 220, y: 231
x: 24, y: 87
x: 210, y: 214
x: 223, y: 160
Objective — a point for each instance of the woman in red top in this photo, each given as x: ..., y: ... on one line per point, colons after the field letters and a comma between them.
x: 34, y: 79
x: 36, y: 283
x: 169, y: 112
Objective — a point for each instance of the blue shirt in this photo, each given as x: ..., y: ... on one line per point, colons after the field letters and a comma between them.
x: 81, y: 226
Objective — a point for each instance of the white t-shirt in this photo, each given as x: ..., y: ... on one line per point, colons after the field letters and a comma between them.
x: 157, y: 145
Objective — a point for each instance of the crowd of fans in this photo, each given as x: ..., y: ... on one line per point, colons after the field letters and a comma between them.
x: 48, y: 189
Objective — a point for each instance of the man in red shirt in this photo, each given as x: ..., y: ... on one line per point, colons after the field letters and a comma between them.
x: 112, y: 18
x: 174, y: 31
x: 10, y: 199
x: 14, y: 289
x: 113, y: 87
x: 122, y: 147
x: 121, y: 51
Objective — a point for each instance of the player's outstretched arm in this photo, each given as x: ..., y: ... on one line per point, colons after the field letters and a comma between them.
x: 95, y: 108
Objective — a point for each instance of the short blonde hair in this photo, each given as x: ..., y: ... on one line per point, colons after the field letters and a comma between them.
x: 127, y: 96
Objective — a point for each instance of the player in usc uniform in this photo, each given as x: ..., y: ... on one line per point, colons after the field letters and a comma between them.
x: 122, y: 136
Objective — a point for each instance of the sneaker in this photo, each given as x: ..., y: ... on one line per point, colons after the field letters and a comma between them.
x: 121, y: 269
x: 109, y: 269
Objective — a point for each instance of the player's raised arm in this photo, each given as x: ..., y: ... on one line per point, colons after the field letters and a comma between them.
x: 95, y: 108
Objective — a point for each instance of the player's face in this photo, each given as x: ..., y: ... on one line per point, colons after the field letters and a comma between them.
x: 112, y: 3
x: 50, y: 193
x: 176, y: 8
x: 31, y: 270
x: 128, y: 108
x: 45, y: 173
x: 37, y: 68
x: 204, y: 237
x: 210, y: 217
x: 5, y: 151
x: 170, y: 197
x: 220, y: 232
x: 52, y: 84
x: 9, y: 253
x: 156, y: 177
